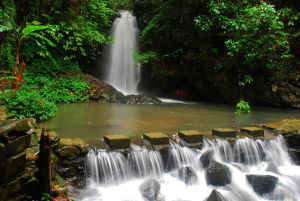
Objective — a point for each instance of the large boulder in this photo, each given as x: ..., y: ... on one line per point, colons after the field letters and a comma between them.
x: 187, y: 175
x: 150, y: 190
x: 216, y: 196
x: 104, y: 92
x: 218, y: 174
x: 262, y: 184
x: 205, y: 158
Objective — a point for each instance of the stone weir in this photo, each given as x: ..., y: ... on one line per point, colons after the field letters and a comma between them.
x: 192, y: 139
x: 189, y: 138
x: 18, y: 173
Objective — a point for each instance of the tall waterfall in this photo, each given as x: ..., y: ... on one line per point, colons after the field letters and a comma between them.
x: 121, y: 71
x: 112, y: 176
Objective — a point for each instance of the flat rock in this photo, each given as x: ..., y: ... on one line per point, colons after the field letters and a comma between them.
x: 15, y: 127
x: 156, y: 138
x: 191, y: 136
x: 224, y: 132
x: 117, y: 141
x: 253, y: 131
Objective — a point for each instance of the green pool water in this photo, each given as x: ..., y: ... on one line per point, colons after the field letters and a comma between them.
x: 90, y: 121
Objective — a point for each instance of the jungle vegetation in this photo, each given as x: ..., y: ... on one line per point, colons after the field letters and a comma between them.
x: 246, y: 42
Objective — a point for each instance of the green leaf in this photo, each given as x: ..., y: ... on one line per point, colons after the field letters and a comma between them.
x: 5, y: 28
x: 43, y: 38
x: 32, y: 28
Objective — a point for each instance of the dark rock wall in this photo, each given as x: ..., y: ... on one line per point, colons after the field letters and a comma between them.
x: 18, y: 172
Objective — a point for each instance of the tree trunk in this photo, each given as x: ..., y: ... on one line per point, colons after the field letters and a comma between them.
x: 45, y: 164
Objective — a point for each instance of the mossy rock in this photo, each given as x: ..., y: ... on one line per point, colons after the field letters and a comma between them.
x: 12, y: 166
x: 3, y: 114
x: 156, y: 138
x: 224, y: 132
x: 14, y: 147
x: 191, y: 136
x: 117, y: 141
x: 16, y: 127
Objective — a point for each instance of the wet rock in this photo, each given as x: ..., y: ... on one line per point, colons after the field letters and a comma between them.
x: 68, y: 152
x: 216, y: 196
x: 150, y: 190
x: 140, y: 99
x: 54, y: 138
x: 13, y: 147
x: 67, y: 172
x: 288, y: 128
x: 262, y: 184
x: 116, y: 97
x: 101, y: 91
x: 15, y: 127
x: 187, y: 175
x: 205, y: 158
x: 295, y: 154
x: 272, y: 168
x: 218, y: 174
x: 12, y: 166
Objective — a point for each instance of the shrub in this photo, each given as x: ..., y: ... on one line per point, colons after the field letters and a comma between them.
x: 65, y: 90
x: 24, y: 103
x: 242, y: 107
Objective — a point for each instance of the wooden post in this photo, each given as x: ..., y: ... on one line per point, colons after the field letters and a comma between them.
x: 45, y: 164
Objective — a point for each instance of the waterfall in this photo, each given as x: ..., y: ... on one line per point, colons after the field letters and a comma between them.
x: 121, y: 71
x: 246, y: 157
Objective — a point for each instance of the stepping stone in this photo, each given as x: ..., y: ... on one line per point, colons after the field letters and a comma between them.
x: 156, y: 138
x: 117, y: 141
x: 254, y: 131
x: 191, y: 136
x: 224, y: 132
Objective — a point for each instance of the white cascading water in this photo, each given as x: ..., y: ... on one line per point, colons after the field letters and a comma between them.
x: 111, y: 176
x: 144, y: 162
x: 121, y: 71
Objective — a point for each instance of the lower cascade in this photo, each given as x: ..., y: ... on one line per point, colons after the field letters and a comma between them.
x: 249, y: 170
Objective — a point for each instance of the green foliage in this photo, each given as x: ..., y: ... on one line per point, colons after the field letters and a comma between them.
x: 65, y: 90
x: 88, y: 32
x: 7, y: 16
x: 258, y: 36
x: 247, y: 80
x: 24, y: 103
x: 242, y: 107
x: 46, y: 197
x: 145, y: 57
x: 39, y: 94
x: 58, y: 90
